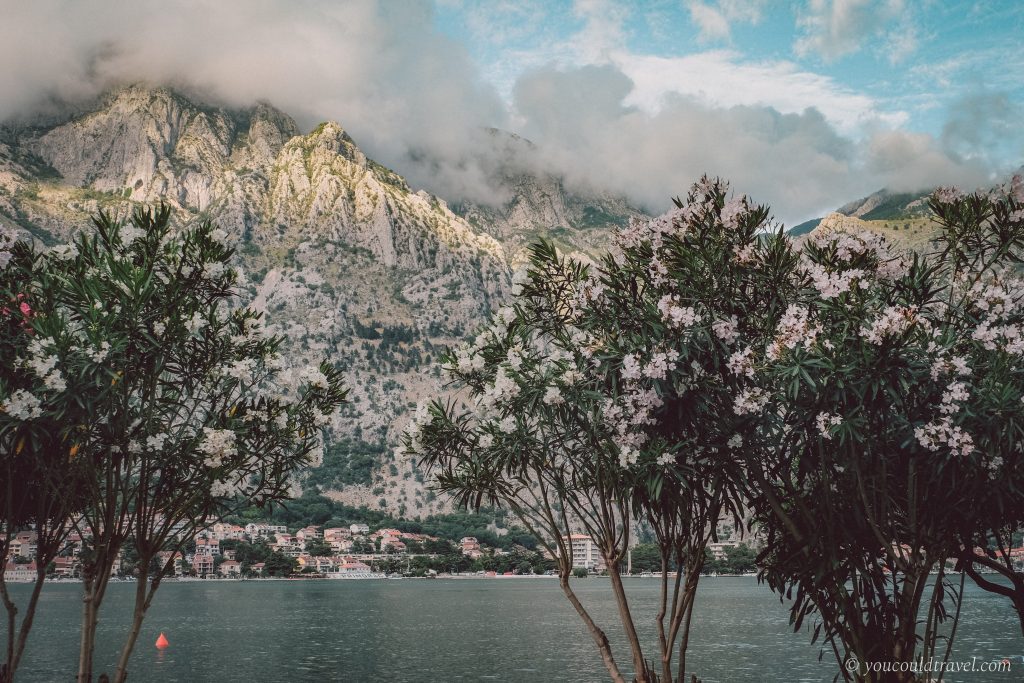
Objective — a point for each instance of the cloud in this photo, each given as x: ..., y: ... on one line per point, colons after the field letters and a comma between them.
x: 715, y: 20
x: 712, y: 23
x: 985, y: 126
x: 907, y: 161
x: 797, y: 162
x: 720, y: 78
x: 379, y: 68
x: 638, y: 125
x: 603, y: 29
x: 836, y: 28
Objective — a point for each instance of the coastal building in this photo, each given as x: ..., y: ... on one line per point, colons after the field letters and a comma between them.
x: 359, y: 528
x: 256, y: 530
x: 66, y: 567
x: 318, y: 564
x: 336, y: 533
x: 324, y: 565
x: 178, y: 529
x: 341, y: 545
x: 1017, y: 558
x: 230, y: 568
x: 23, y: 544
x: 470, y: 547
x: 308, y: 533
x: 73, y: 544
x: 178, y: 565
x: 585, y: 553
x: 350, y: 566
x: 207, y: 546
x: 390, y: 539
x: 258, y: 568
x: 202, y: 565
x: 390, y: 544
x: 288, y: 545
x: 717, y: 550
x: 20, y: 573
x: 222, y: 531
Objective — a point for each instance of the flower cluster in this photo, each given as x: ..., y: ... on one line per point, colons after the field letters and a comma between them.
x: 742, y: 363
x: 312, y: 376
x: 726, y: 330
x: 217, y: 445
x: 827, y: 422
x: 942, y: 432
x: 43, y: 363
x: 794, y: 329
x: 676, y: 316
x: 627, y: 417
x: 832, y: 284
x: 893, y: 322
x: 22, y: 405
x: 750, y: 401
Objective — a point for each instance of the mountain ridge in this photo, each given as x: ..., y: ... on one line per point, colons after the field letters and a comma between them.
x: 342, y: 255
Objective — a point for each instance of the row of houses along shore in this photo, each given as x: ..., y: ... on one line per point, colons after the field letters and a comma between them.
x: 351, y: 550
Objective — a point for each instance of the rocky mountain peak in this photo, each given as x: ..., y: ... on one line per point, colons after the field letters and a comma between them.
x: 344, y: 257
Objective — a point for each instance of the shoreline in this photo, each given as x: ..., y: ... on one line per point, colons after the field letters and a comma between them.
x: 381, y: 577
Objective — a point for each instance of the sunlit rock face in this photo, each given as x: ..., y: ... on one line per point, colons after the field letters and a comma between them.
x: 347, y: 261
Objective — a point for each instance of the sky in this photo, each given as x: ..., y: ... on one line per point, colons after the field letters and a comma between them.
x: 803, y: 105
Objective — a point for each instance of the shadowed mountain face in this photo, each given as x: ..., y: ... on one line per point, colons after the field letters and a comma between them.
x: 346, y: 260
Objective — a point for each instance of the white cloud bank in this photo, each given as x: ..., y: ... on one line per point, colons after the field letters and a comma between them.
x: 413, y: 99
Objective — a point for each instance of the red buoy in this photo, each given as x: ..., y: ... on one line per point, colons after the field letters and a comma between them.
x: 161, y: 642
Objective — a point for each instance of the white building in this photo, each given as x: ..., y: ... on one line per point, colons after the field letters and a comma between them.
x: 585, y: 553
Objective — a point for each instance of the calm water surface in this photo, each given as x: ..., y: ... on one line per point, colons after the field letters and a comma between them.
x: 447, y: 630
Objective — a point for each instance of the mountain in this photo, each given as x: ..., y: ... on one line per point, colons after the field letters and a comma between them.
x: 539, y: 203
x: 886, y: 205
x: 344, y: 257
x: 804, y: 228
x: 903, y: 217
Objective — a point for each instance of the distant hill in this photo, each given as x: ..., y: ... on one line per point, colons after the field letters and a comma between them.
x: 804, y: 228
x: 886, y: 205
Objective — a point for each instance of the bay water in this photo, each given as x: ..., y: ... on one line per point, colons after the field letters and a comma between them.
x: 502, y: 629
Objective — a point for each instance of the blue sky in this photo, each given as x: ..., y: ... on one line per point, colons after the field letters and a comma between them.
x: 804, y: 104
x: 862, y: 63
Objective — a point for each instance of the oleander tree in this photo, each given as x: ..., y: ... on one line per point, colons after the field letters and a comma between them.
x: 39, y: 490
x: 184, y: 408
x: 882, y: 425
x: 605, y: 393
x: 984, y: 241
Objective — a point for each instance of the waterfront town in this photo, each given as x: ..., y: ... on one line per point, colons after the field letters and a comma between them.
x: 225, y: 551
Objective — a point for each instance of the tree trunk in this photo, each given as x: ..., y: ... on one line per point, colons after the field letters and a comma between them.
x: 142, y: 599
x: 639, y: 664
x: 689, y: 597
x: 600, y: 639
x: 26, y: 623
x: 6, y: 673
x: 666, y: 646
x: 95, y: 588
x: 89, y: 619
